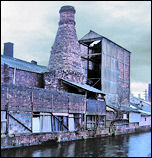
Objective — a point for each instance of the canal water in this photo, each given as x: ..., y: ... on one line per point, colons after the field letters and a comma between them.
x: 132, y: 145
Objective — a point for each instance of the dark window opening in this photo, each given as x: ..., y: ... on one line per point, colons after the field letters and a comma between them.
x: 72, y: 89
x: 91, y: 95
x: 58, y: 122
x: 94, y: 67
x: 36, y: 114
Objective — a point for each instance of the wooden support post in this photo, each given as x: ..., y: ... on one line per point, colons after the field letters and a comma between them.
x: 32, y: 110
x: 88, y: 63
x: 7, y: 123
x: 52, y: 110
x: 85, y: 121
x: 68, y: 111
x: 60, y: 121
x: 93, y: 54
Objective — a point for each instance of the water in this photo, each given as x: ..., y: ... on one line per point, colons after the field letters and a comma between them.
x: 133, y: 145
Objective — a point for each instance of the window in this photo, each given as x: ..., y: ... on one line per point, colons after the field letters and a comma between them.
x: 45, y: 122
x: 94, y: 121
x: 3, y: 122
x: 41, y: 122
x: 58, y: 122
x: 36, y: 122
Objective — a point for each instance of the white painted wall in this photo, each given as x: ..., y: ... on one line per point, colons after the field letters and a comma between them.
x: 134, y: 117
x: 144, y: 122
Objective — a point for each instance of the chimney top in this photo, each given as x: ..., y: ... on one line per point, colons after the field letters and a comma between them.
x: 67, y: 8
x: 8, y: 49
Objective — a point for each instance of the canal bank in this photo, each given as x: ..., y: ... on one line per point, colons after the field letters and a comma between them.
x: 15, y: 141
x: 130, y: 145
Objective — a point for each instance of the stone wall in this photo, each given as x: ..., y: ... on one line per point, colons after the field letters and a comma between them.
x: 22, y: 77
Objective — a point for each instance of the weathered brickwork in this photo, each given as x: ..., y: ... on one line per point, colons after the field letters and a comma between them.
x: 6, y: 74
x: 65, y: 57
x: 30, y: 79
x: 35, y: 139
x: 2, y: 73
x: 42, y: 100
x: 26, y: 78
x: 24, y: 117
x: 51, y: 78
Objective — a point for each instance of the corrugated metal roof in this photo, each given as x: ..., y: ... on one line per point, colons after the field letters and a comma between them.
x: 22, y: 65
x: 84, y: 86
x: 144, y: 110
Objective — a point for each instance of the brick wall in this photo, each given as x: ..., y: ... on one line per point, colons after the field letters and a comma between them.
x: 51, y: 79
x: 24, y: 99
x: 26, y: 78
x: 24, y: 117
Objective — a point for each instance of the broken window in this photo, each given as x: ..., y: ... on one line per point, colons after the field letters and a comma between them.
x: 59, y: 123
x: 77, y: 120
x: 90, y: 122
x: 95, y: 121
x: 3, y: 122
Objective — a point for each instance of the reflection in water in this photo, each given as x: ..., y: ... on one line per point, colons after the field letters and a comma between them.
x: 140, y: 145
x: 119, y: 146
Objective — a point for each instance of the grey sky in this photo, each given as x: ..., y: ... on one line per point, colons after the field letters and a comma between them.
x: 32, y: 27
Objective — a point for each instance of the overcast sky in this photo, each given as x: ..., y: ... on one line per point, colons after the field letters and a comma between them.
x: 32, y: 27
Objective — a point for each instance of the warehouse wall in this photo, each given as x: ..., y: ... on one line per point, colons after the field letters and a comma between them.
x: 115, y: 73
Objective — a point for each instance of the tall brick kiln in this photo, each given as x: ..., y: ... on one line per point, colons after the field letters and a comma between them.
x: 65, y: 60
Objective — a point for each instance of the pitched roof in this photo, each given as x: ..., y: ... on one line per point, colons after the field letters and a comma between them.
x: 93, y: 36
x: 22, y: 65
x: 90, y: 35
x: 84, y: 86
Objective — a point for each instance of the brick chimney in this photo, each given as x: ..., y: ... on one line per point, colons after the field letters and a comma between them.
x: 65, y: 53
x: 8, y: 49
x: 65, y: 59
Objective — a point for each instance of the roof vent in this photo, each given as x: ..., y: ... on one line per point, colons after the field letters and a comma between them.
x: 34, y: 62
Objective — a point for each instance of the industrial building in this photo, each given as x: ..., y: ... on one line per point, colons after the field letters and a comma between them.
x: 71, y: 93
